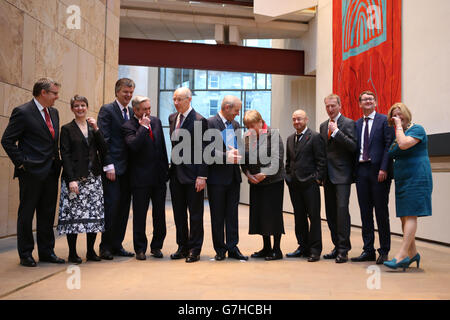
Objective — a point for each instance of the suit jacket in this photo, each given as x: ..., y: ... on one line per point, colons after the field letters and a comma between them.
x: 187, y: 172
x: 380, y: 139
x: 264, y: 147
x: 28, y: 141
x: 224, y: 173
x: 148, y: 163
x: 305, y: 161
x: 110, y: 120
x: 77, y: 152
x: 340, y: 150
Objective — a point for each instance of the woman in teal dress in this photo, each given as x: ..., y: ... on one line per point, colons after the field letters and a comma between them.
x: 413, y: 181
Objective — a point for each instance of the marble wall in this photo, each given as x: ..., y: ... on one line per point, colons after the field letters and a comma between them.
x: 37, y: 42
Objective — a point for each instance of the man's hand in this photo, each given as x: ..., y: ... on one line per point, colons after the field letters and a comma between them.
x: 233, y: 155
x: 332, y: 125
x: 111, y: 175
x: 382, y: 175
x: 144, y: 121
x: 200, y: 184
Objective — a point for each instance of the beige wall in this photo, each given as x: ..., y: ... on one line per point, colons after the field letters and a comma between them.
x: 35, y: 43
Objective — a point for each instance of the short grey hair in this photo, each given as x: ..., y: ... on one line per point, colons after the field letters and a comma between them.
x: 137, y: 100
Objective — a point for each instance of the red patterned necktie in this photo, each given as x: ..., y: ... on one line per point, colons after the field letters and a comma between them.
x: 49, y: 123
x: 329, y: 131
x: 151, y: 132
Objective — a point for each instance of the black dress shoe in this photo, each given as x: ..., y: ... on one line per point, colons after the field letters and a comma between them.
x: 219, y: 257
x: 123, y: 253
x: 106, y: 255
x: 300, y: 252
x: 365, y: 256
x: 180, y: 254
x: 74, y: 259
x: 27, y: 262
x: 332, y: 255
x: 275, y: 255
x: 261, y: 254
x: 382, y: 258
x: 342, y: 258
x: 52, y: 259
x: 313, y: 258
x: 156, y: 253
x: 92, y: 256
x: 236, y: 254
x: 140, y: 256
x: 192, y: 257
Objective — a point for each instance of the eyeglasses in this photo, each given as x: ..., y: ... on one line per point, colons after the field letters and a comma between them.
x: 54, y: 92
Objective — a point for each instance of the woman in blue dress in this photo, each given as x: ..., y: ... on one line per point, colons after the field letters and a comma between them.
x: 413, y: 181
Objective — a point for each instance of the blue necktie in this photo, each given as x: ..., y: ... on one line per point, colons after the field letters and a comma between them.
x: 228, y: 135
x: 125, y: 115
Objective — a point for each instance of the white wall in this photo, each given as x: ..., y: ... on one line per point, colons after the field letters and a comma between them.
x: 425, y: 86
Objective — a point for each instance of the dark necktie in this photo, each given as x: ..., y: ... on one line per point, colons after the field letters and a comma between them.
x: 365, y: 155
x: 297, y: 138
x: 49, y: 123
x: 125, y: 115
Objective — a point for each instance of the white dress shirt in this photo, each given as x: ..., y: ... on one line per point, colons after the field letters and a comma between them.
x: 369, y: 123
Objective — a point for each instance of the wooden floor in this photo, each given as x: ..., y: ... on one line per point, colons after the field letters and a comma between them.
x: 127, y: 278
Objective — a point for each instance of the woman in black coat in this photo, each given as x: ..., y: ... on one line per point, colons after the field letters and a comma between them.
x: 83, y: 153
x: 264, y: 169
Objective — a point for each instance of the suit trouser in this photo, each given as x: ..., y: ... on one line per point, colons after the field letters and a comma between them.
x: 373, y: 194
x: 185, y: 197
x: 305, y: 198
x: 224, y: 203
x: 141, y: 200
x: 338, y: 215
x: 40, y: 196
x: 117, y: 198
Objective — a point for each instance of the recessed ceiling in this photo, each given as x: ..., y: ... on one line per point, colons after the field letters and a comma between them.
x: 196, y: 20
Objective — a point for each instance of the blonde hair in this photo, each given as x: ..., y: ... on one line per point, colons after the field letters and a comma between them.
x: 332, y: 96
x: 251, y: 116
x: 404, y: 110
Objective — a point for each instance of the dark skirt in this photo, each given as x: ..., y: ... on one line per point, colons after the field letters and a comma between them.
x: 266, y: 209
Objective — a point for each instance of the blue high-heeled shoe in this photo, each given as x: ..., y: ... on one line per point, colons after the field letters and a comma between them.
x: 393, y: 264
x: 415, y: 258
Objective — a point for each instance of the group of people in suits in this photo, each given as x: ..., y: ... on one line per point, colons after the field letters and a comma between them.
x: 120, y: 160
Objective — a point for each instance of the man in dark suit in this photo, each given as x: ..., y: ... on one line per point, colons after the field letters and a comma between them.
x: 31, y: 142
x: 373, y: 177
x: 188, y: 173
x: 116, y: 184
x: 340, y: 136
x: 224, y: 181
x: 148, y: 165
x: 305, y: 170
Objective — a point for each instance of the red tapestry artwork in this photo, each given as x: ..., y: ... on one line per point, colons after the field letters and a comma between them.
x: 366, y: 52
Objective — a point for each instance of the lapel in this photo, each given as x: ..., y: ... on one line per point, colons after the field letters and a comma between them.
x: 190, y: 118
x: 119, y: 112
x: 77, y: 129
x: 220, y: 124
x: 38, y: 117
x: 374, y: 127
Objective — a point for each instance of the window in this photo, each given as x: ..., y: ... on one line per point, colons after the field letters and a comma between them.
x: 213, y: 107
x: 213, y: 81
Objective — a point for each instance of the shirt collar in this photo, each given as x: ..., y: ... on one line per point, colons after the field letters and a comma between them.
x: 40, y: 107
x: 222, y: 117
x: 371, y: 116
x: 303, y: 132
x: 186, y: 113
x: 121, y: 106
x: 337, y: 117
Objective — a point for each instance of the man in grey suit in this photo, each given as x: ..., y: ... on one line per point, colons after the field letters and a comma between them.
x: 340, y: 135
